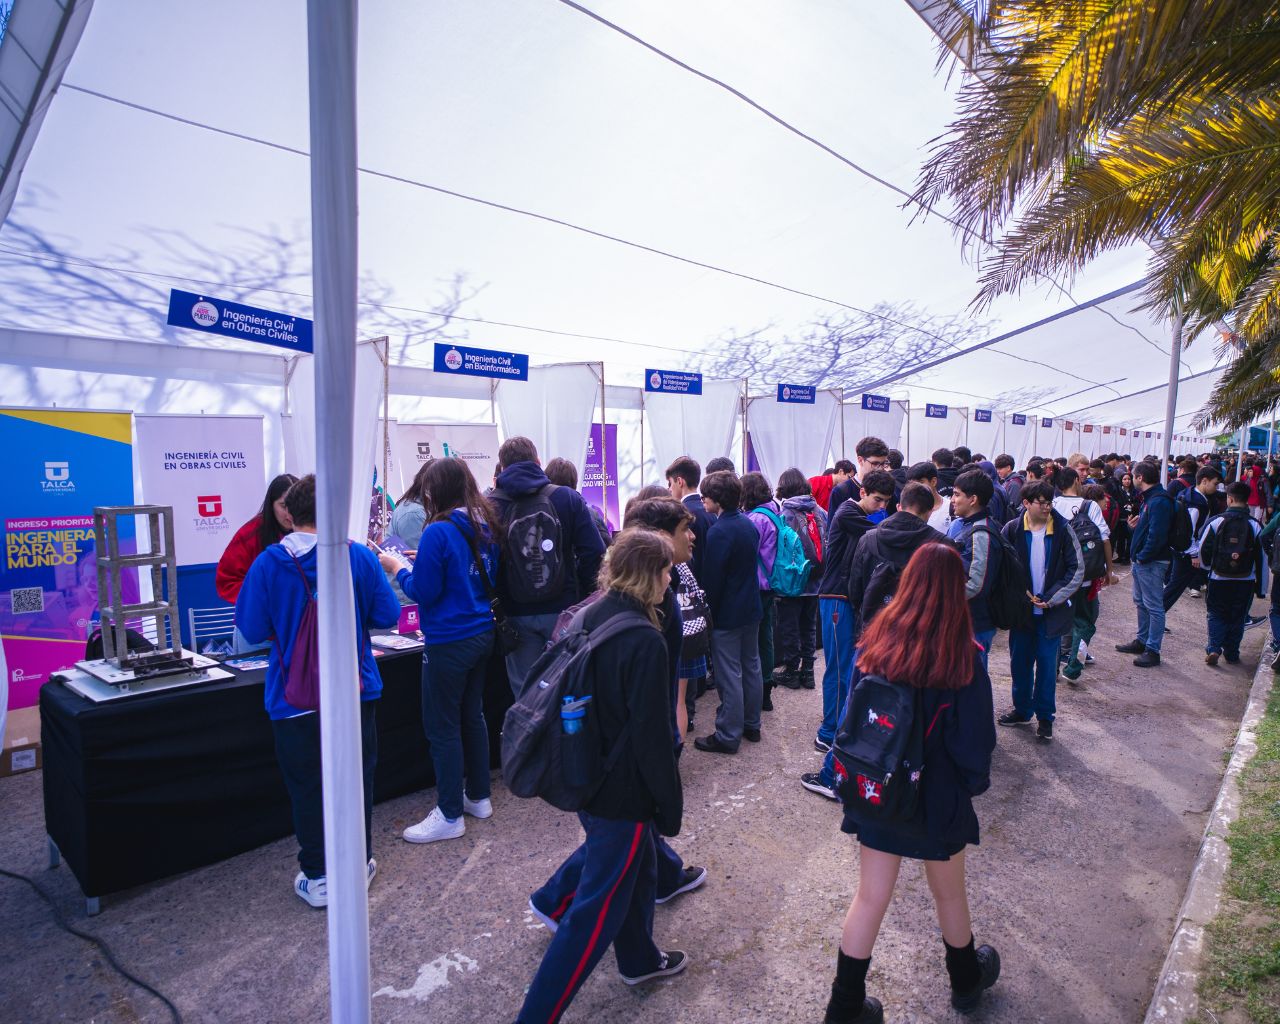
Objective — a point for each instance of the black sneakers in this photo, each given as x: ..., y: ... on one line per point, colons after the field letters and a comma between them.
x: 712, y: 745
x: 751, y: 735
x: 821, y: 746
x: 989, y: 962
x: 1044, y: 732
x: 1012, y: 718
x: 692, y: 878
x: 1147, y: 659
x: 1132, y: 647
x: 673, y: 962
x: 812, y: 781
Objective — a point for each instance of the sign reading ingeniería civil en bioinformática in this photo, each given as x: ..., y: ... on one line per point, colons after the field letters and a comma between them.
x: 235, y: 320
x: 481, y: 362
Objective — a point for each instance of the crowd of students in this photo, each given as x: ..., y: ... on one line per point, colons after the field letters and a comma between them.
x: 737, y: 584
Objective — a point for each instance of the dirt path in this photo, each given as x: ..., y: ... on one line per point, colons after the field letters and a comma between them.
x: 1087, y: 847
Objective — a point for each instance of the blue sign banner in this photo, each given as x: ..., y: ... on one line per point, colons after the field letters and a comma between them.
x: 935, y: 412
x: 235, y: 320
x: 1046, y: 423
x: 481, y: 362
x: 875, y: 403
x: 673, y: 382
x: 805, y: 394
x: 981, y: 415
x: 1019, y: 419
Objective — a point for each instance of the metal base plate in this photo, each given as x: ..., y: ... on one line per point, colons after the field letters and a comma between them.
x: 109, y: 672
x: 87, y: 680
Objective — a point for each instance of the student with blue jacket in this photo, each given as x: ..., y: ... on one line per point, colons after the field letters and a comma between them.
x: 457, y: 624
x: 733, y: 593
x: 276, y: 591
x: 1150, y: 553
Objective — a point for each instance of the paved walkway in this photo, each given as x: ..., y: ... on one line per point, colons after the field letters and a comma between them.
x: 1087, y: 848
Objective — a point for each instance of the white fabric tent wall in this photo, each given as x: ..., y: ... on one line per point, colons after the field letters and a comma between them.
x: 860, y: 423
x: 927, y: 434
x: 364, y: 435
x: 786, y: 434
x: 554, y: 408
x: 986, y: 438
x: 698, y: 425
x: 1049, y: 439
x: 1019, y: 440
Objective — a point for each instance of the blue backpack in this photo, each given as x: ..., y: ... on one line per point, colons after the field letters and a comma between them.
x: 791, y: 568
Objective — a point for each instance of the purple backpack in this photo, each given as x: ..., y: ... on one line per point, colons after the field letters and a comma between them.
x: 302, y: 678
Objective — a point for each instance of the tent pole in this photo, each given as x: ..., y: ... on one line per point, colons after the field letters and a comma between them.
x: 641, y: 438
x: 745, y: 438
x: 1271, y: 438
x: 1171, y: 403
x: 331, y: 51
x: 604, y: 452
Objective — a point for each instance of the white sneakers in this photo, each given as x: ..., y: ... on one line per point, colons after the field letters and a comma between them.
x: 478, y: 808
x: 315, y: 891
x: 435, y: 826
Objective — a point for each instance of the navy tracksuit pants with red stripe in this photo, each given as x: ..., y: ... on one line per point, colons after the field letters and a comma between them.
x: 613, y: 904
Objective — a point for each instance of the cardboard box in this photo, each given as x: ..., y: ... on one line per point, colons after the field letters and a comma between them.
x: 21, y: 752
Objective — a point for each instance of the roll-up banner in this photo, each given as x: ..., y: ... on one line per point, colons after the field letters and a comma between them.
x: 211, y: 469
x: 476, y: 444
x: 60, y: 465
x: 594, y: 474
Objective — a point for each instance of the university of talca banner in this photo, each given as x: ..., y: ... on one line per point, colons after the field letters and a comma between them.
x: 475, y: 443
x: 60, y: 464
x: 210, y: 469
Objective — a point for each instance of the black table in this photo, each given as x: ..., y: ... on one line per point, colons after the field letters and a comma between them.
x: 145, y: 787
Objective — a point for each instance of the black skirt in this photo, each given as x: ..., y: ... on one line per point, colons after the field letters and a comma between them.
x: 894, y: 841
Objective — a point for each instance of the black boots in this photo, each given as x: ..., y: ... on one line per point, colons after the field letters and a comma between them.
x: 806, y: 674
x: 972, y: 973
x: 849, y: 1003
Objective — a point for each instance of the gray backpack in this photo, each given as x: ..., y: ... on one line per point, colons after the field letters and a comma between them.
x: 539, y: 757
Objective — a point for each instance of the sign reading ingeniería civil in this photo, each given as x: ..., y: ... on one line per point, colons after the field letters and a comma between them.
x: 481, y: 362
x: 235, y: 320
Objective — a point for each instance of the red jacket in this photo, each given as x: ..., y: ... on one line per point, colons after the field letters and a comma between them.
x: 234, y: 564
x: 822, y: 486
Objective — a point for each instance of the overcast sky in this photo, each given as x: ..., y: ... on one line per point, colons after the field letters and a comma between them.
x: 531, y: 104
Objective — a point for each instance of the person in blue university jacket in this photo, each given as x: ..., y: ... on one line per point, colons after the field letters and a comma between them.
x: 1056, y: 567
x: 457, y: 623
x: 276, y: 591
x: 733, y: 593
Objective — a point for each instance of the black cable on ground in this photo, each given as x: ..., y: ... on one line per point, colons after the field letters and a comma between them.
x: 66, y: 926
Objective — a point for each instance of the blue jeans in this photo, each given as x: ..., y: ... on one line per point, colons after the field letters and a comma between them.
x: 453, y: 718
x: 298, y: 752
x: 1033, y: 663
x: 986, y: 638
x: 828, y: 771
x: 1227, y: 604
x: 613, y: 905
x: 838, y: 654
x: 535, y: 632
x: 556, y: 895
x: 1148, y: 595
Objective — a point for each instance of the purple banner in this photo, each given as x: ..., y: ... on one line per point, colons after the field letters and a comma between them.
x: 594, y: 476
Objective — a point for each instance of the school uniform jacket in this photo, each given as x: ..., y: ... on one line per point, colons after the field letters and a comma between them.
x: 1063, y: 567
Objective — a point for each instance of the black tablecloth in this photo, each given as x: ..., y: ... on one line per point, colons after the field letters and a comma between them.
x: 144, y: 787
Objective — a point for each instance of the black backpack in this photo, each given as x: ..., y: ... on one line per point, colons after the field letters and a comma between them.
x: 539, y: 758
x: 879, y: 752
x: 1181, y: 529
x: 1091, y: 545
x: 881, y: 586
x: 533, y: 568
x: 1007, y: 601
x: 1234, y: 547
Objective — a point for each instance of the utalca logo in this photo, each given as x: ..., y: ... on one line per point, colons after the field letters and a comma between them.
x: 57, y: 478
x: 209, y: 517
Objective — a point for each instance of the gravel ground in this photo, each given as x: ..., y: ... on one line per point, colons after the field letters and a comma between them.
x: 1086, y: 851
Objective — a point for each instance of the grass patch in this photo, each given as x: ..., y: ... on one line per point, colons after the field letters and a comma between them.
x: 1241, y: 979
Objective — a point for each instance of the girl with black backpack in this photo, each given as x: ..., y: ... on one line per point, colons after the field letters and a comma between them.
x: 955, y: 706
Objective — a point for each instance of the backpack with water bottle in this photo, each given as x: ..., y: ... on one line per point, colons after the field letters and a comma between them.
x: 551, y: 745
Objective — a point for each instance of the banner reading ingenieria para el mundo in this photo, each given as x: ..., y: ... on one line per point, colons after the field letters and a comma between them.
x: 60, y: 465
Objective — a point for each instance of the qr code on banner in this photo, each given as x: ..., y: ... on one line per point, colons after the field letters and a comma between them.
x: 27, y: 600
